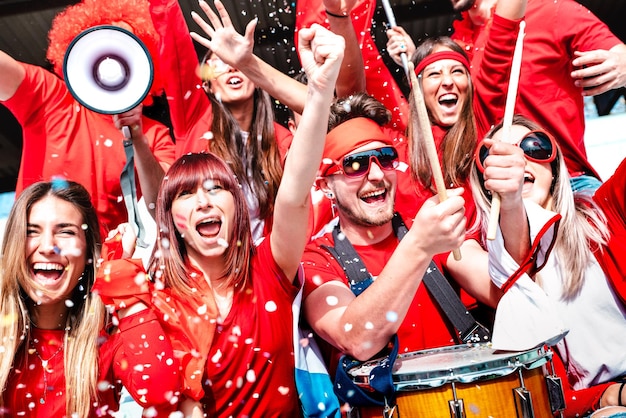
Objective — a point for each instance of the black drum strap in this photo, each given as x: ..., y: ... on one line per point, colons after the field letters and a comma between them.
x: 359, y: 278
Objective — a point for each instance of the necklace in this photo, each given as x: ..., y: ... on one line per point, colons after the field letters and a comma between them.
x: 46, y: 370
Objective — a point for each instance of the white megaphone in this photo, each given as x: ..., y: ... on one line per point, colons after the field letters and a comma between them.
x: 108, y: 69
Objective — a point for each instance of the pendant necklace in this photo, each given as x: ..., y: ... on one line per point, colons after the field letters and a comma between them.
x: 46, y: 371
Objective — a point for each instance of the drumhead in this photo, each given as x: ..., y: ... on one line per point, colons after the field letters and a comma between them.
x: 460, y: 363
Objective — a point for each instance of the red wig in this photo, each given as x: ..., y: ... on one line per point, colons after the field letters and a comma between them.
x: 133, y: 15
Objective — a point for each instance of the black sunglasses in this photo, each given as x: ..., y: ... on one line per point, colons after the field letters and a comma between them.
x: 538, y: 147
x: 358, y: 164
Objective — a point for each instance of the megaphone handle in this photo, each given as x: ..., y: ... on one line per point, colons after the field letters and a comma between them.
x: 129, y: 190
x: 126, y: 133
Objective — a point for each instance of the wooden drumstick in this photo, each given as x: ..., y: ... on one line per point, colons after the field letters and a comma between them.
x: 511, y: 96
x: 431, y: 148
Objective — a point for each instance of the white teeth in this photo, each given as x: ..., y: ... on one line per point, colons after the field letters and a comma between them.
x: 374, y: 194
x: 48, y: 266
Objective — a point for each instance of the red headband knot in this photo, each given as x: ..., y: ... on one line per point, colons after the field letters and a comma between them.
x: 441, y: 55
x: 348, y: 136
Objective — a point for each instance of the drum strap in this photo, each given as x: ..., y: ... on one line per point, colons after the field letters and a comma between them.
x: 359, y: 278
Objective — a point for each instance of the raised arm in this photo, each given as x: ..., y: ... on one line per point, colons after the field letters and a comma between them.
x: 321, y: 53
x: 352, y: 74
x: 236, y: 50
x: 12, y: 76
x: 504, y: 174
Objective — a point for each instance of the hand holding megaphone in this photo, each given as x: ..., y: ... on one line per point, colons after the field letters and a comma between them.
x: 130, y: 122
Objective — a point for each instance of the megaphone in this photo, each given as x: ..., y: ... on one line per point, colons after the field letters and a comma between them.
x: 108, y: 69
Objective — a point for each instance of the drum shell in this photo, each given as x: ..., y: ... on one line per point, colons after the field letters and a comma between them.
x: 482, y: 398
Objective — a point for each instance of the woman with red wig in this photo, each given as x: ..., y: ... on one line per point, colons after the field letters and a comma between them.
x: 63, y: 138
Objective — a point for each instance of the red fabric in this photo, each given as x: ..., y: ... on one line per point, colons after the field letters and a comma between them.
x: 546, y: 94
x: 242, y: 365
x: 423, y: 327
x: 137, y: 357
x: 190, y: 109
x: 348, y: 136
x: 379, y: 83
x: 63, y: 138
x: 611, y: 197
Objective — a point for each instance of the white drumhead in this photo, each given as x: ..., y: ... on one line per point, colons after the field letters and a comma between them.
x: 461, y: 363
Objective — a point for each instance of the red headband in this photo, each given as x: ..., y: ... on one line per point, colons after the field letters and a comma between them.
x: 441, y: 55
x: 348, y: 136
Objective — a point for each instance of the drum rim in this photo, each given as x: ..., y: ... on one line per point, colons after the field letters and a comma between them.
x: 486, y: 369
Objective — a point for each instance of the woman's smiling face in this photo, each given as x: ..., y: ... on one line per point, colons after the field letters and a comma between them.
x: 445, y: 84
x: 56, y: 248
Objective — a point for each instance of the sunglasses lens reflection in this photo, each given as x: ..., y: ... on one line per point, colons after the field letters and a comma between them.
x: 537, y: 145
x: 356, y: 165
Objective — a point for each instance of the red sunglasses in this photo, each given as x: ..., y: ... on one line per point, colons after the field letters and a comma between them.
x: 538, y: 147
x: 358, y: 164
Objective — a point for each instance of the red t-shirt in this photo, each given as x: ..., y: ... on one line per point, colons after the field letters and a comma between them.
x: 250, y: 368
x: 137, y: 357
x: 246, y: 366
x: 423, y: 327
x: 63, y: 138
x: 546, y: 92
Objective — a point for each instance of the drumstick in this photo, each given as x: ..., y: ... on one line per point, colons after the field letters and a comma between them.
x: 431, y: 148
x: 511, y: 96
x: 392, y: 23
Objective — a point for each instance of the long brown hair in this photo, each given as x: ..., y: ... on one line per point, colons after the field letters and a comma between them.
x: 460, y: 139
x: 87, y: 313
x: 169, y: 260
x: 264, y: 168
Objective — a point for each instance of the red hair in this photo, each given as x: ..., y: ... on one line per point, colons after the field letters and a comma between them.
x: 89, y: 13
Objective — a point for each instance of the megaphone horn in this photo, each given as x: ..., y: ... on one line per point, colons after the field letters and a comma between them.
x: 108, y: 69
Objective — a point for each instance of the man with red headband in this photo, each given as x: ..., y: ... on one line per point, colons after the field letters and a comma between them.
x: 359, y: 174
x: 62, y: 138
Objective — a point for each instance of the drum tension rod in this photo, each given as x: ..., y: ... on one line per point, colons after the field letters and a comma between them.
x: 523, y: 399
x: 457, y: 410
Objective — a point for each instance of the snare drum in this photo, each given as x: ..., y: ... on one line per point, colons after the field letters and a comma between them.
x: 466, y: 381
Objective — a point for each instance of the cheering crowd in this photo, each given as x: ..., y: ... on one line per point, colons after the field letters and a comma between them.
x: 347, y: 223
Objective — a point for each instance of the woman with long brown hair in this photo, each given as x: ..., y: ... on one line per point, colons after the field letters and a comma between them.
x: 61, y: 354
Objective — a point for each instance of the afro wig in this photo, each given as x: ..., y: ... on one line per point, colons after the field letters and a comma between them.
x: 133, y: 15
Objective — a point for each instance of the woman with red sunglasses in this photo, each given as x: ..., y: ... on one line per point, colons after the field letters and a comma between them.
x: 573, y: 276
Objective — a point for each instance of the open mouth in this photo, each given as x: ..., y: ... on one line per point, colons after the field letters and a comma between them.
x: 448, y: 100
x: 47, y: 272
x: 209, y: 228
x: 375, y: 196
x: 528, y: 178
x: 234, y: 81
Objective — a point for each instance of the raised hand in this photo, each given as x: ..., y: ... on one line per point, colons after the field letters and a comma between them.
x: 321, y: 52
x: 222, y: 38
x: 398, y: 42
x: 133, y: 120
x: 504, y: 171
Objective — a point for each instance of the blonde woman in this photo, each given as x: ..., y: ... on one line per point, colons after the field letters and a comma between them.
x: 573, y: 274
x: 58, y: 357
